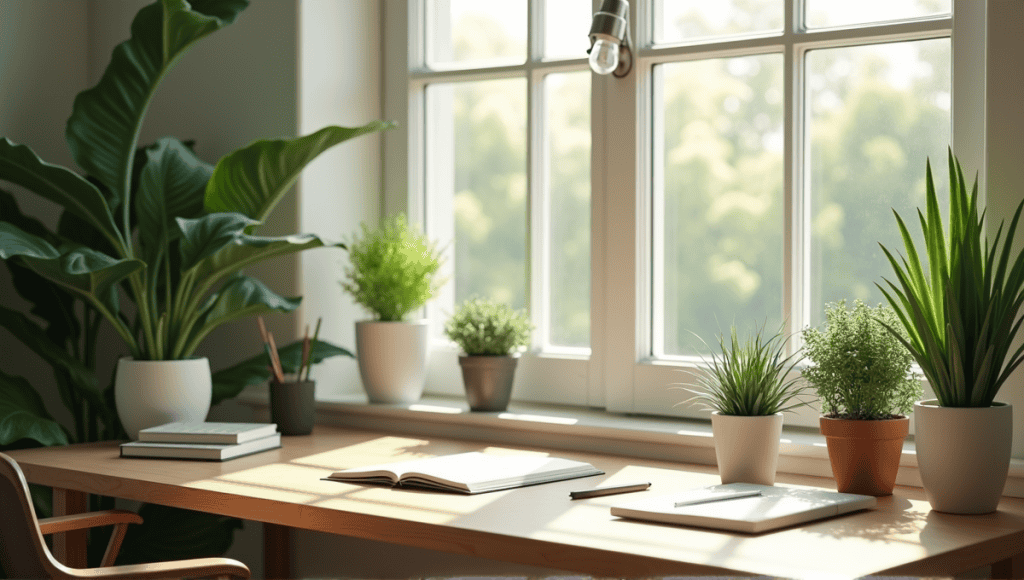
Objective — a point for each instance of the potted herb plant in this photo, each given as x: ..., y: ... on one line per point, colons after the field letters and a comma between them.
x: 393, y: 273
x: 172, y: 230
x: 961, y: 317
x: 747, y: 388
x: 489, y: 334
x: 863, y: 377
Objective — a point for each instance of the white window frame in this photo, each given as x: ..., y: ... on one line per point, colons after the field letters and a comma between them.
x: 619, y: 375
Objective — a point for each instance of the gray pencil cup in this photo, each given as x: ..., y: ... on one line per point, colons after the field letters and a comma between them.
x: 292, y: 406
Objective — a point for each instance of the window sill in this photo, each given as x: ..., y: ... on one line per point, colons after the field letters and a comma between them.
x: 802, y: 451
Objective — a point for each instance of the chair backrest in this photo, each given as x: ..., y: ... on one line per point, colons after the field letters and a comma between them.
x: 23, y: 553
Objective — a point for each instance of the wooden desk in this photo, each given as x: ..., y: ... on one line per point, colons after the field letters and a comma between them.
x: 536, y: 525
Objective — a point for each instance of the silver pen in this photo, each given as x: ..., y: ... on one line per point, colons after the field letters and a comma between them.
x: 609, y: 490
x: 717, y: 497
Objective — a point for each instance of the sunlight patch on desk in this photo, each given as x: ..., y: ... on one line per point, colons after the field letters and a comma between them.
x: 694, y: 433
x: 538, y: 418
x: 436, y: 409
x: 386, y: 449
x: 286, y: 476
x: 410, y: 505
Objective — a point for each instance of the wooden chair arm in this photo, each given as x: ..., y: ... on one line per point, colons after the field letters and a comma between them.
x: 117, y: 518
x: 58, y: 524
x: 195, y: 568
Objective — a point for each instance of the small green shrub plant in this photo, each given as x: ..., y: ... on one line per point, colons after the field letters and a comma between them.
x: 393, y: 269
x: 859, y: 369
x: 484, y: 327
x: 749, y: 378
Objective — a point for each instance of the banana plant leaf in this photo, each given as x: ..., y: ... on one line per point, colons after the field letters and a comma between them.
x: 204, y: 236
x: 253, y: 179
x: 171, y: 185
x: 106, y: 119
x: 23, y: 414
x: 21, y: 166
x: 230, y: 381
x: 168, y: 533
x: 247, y: 250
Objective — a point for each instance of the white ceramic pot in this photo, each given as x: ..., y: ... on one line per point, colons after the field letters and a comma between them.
x: 747, y: 448
x: 148, y: 393
x: 963, y: 455
x: 392, y: 360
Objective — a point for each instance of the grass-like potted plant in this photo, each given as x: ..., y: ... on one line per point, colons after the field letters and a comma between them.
x: 747, y: 388
x: 172, y: 230
x: 863, y: 377
x: 961, y: 317
x: 489, y: 334
x: 393, y: 273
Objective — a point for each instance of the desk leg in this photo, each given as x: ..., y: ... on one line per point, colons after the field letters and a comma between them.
x: 1009, y: 568
x: 277, y: 551
x: 70, y: 547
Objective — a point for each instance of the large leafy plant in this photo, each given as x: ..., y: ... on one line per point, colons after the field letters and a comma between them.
x: 961, y: 314
x: 156, y: 225
x: 751, y: 377
x: 859, y: 369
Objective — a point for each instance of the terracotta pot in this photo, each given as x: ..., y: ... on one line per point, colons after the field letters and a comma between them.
x: 865, y: 454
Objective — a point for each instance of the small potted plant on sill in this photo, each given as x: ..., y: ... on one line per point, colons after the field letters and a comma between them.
x: 961, y: 317
x: 863, y: 377
x: 489, y: 334
x: 393, y: 273
x: 747, y: 388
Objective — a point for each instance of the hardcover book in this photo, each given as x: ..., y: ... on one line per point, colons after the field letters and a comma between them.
x: 469, y: 473
x: 213, y: 433
x: 207, y: 451
x: 775, y: 507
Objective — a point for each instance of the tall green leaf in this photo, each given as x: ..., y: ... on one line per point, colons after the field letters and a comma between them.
x: 247, y: 250
x: 105, y: 121
x: 171, y: 186
x: 253, y: 179
x: 16, y: 242
x: 85, y: 271
x: 21, y: 166
x: 23, y: 414
x: 204, y: 236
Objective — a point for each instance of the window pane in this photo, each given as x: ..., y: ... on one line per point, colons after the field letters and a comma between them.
x: 875, y: 114
x: 695, y: 20
x: 567, y: 28
x: 719, y: 148
x: 828, y: 13
x: 471, y: 32
x: 477, y: 170
x: 568, y: 144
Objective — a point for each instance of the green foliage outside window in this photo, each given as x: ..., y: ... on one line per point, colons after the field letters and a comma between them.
x: 394, y: 269
x: 860, y: 370
x: 485, y: 327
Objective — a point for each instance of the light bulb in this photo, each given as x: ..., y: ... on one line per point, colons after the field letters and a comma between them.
x: 604, y: 56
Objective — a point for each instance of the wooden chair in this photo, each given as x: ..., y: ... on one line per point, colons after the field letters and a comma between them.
x: 23, y: 553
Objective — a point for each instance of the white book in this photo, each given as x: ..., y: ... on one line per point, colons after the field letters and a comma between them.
x: 211, y: 452
x: 201, y: 432
x: 775, y: 507
x: 469, y: 473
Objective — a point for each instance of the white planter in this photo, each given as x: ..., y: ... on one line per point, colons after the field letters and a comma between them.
x: 392, y: 360
x: 148, y: 393
x: 747, y: 448
x: 963, y: 455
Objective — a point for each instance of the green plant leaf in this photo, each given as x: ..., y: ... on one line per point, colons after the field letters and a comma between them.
x: 239, y: 297
x: 246, y: 250
x: 253, y: 179
x: 16, y: 242
x: 168, y: 533
x: 21, y: 166
x: 23, y: 414
x: 105, y: 122
x: 204, y: 236
x: 230, y: 381
x: 85, y: 271
x: 171, y: 186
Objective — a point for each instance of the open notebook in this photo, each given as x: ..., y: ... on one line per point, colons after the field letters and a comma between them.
x: 776, y: 507
x: 469, y: 472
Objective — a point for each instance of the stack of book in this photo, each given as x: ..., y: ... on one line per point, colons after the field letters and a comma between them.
x: 209, y: 441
